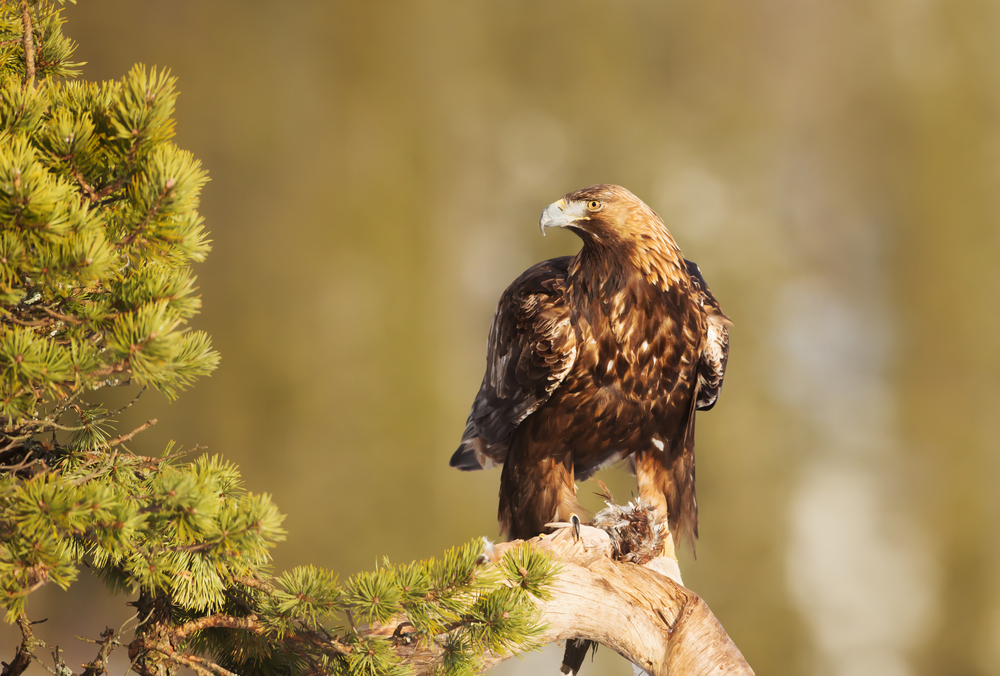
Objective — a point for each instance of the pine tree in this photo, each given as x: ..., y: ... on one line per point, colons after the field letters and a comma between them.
x: 99, y: 228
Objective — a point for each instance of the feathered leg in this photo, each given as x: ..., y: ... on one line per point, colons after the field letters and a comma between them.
x: 648, y: 474
x: 665, y: 474
x: 534, y: 493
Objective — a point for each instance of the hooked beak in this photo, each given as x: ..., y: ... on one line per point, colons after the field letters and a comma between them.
x: 561, y: 214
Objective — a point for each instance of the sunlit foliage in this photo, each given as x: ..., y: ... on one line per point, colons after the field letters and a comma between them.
x: 99, y: 227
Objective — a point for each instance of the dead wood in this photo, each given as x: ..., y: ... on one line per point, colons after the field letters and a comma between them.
x: 638, y: 612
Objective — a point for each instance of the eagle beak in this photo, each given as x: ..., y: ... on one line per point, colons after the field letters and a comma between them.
x: 561, y: 214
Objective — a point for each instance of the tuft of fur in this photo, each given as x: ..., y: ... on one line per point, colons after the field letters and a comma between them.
x: 636, y: 534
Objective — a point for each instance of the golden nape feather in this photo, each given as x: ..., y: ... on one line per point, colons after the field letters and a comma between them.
x: 594, y: 358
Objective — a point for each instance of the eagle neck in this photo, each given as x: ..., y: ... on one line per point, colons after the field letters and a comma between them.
x: 601, y: 271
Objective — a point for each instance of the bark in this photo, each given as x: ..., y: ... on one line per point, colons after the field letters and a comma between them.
x: 22, y: 659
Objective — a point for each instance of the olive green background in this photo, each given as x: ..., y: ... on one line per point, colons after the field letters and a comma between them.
x: 378, y: 169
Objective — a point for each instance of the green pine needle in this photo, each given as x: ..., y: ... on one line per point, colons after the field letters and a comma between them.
x: 531, y: 570
x: 373, y: 597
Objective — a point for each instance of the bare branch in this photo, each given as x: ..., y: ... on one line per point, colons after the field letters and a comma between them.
x: 61, y: 317
x: 127, y: 437
x: 254, y: 583
x: 131, y: 403
x: 199, y: 665
x: 14, y: 445
x: 8, y: 317
x: 60, y: 664
x: 228, y: 621
x: 24, y: 464
x: 29, y: 47
x: 100, y: 664
x: 23, y: 657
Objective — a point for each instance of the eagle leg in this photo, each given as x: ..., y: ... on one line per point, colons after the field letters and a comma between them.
x: 651, y: 477
x: 647, y: 475
x: 534, y: 493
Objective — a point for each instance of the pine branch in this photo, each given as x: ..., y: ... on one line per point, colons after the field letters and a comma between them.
x: 137, y: 230
x: 87, y: 188
x: 639, y: 611
x: 120, y: 182
x: 29, y: 47
x: 109, y: 369
x: 255, y: 583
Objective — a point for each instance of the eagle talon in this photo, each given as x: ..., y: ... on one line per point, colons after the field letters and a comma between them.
x: 575, y: 521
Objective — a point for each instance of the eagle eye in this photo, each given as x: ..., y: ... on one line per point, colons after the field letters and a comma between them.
x: 594, y: 205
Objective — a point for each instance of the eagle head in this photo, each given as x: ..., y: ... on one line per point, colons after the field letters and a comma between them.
x: 602, y: 212
x: 613, y: 222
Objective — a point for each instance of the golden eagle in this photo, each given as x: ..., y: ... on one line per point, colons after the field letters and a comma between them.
x: 594, y: 358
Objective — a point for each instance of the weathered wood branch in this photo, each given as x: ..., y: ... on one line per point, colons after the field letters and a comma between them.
x: 638, y: 612
x: 22, y: 659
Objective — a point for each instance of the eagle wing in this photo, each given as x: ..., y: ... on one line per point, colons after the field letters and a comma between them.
x: 715, y: 348
x: 532, y: 346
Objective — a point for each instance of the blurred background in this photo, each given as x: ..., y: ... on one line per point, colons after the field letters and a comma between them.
x: 378, y: 169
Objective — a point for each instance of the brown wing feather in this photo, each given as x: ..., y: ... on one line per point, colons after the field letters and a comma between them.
x: 682, y: 501
x: 666, y: 478
x: 531, y: 348
x: 715, y: 349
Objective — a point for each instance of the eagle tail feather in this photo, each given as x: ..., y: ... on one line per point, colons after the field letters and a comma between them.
x: 576, y: 651
x: 666, y: 479
x: 474, y: 452
x: 466, y: 458
x: 682, y: 503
